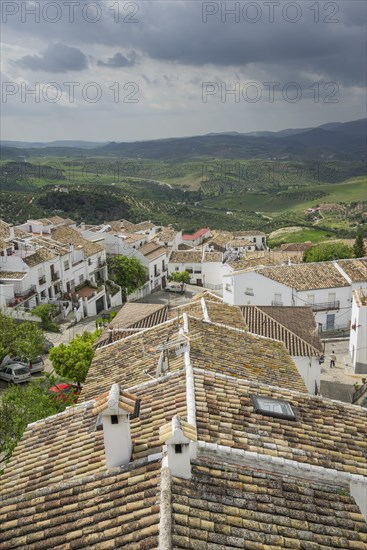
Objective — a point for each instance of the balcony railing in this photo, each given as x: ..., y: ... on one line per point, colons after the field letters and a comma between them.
x: 157, y: 272
x: 324, y: 306
x: 42, y: 280
x: 276, y: 303
x: 55, y: 276
x: 27, y: 293
x: 101, y: 263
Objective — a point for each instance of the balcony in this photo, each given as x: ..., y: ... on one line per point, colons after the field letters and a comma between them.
x: 157, y: 272
x: 276, y: 303
x: 324, y: 306
x: 21, y: 297
x: 55, y: 276
x: 101, y: 263
x: 42, y: 280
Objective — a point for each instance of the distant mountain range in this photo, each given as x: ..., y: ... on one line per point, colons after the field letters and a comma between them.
x: 332, y: 141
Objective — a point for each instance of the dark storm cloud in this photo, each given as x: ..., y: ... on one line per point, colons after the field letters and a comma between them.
x: 119, y: 61
x: 56, y: 58
x: 175, y: 32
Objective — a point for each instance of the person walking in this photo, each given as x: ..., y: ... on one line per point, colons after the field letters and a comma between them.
x: 332, y: 359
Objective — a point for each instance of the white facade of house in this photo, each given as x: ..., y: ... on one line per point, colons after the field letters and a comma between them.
x: 310, y: 370
x: 250, y: 287
x: 358, y: 332
x: 194, y: 268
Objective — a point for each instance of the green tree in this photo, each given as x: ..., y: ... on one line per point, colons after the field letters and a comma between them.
x: 20, y: 406
x: 182, y: 277
x: 72, y: 361
x: 25, y: 339
x: 129, y: 273
x: 328, y: 251
x: 45, y: 313
x: 359, y: 249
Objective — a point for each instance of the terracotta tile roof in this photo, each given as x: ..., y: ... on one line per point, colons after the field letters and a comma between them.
x: 166, y: 235
x: 42, y: 255
x: 264, y: 258
x: 253, y: 233
x: 208, y: 296
x: 242, y: 355
x: 129, y: 361
x: 295, y: 326
x: 67, y: 446
x: 296, y: 247
x: 133, y: 315
x: 226, y: 506
x: 4, y: 230
x: 196, y: 235
x: 109, y: 509
x: 186, y: 256
x: 240, y: 243
x: 152, y: 250
x: 117, y: 399
x: 212, y: 257
x: 306, y: 276
x: 326, y: 433
x: 166, y: 432
x: 67, y: 235
x: 220, y: 240
x: 13, y: 274
x: 134, y: 238
x: 19, y: 234
x: 355, y: 269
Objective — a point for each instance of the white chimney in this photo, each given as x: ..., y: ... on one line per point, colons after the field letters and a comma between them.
x: 116, y: 408
x: 177, y: 436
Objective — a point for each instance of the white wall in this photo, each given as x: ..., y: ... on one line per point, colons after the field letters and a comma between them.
x: 310, y: 370
x: 343, y: 295
x: 212, y: 274
x: 235, y: 287
x: 358, y: 338
x: 194, y: 277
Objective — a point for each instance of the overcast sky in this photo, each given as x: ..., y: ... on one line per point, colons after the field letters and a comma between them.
x: 123, y: 71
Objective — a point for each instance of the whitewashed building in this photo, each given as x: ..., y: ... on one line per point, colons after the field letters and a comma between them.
x: 358, y: 332
x: 326, y: 287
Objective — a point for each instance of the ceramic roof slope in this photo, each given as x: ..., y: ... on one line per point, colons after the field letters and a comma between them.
x: 67, y: 235
x: 11, y: 275
x: 218, y: 311
x: 67, y: 447
x: 355, y: 269
x: 110, y: 509
x: 227, y: 506
x: 208, y: 296
x: 264, y: 258
x: 125, y: 361
x: 186, y: 256
x: 326, y: 433
x: 238, y: 354
x: 306, y: 276
x: 133, y: 315
x: 152, y: 250
x: 42, y: 255
x: 4, y: 230
x: 295, y: 326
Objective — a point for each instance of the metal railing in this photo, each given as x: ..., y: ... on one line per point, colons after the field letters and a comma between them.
x: 324, y: 306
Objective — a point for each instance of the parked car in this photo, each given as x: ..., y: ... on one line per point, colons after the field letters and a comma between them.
x: 174, y: 287
x: 15, y: 373
x: 65, y: 391
x: 34, y: 365
x: 49, y: 345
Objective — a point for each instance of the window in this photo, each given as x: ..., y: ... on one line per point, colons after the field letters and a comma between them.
x: 249, y: 291
x: 228, y: 287
x: 311, y: 299
x: 66, y: 265
x: 331, y: 297
x: 273, y: 407
x: 81, y: 278
x: 177, y: 268
x: 277, y: 299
